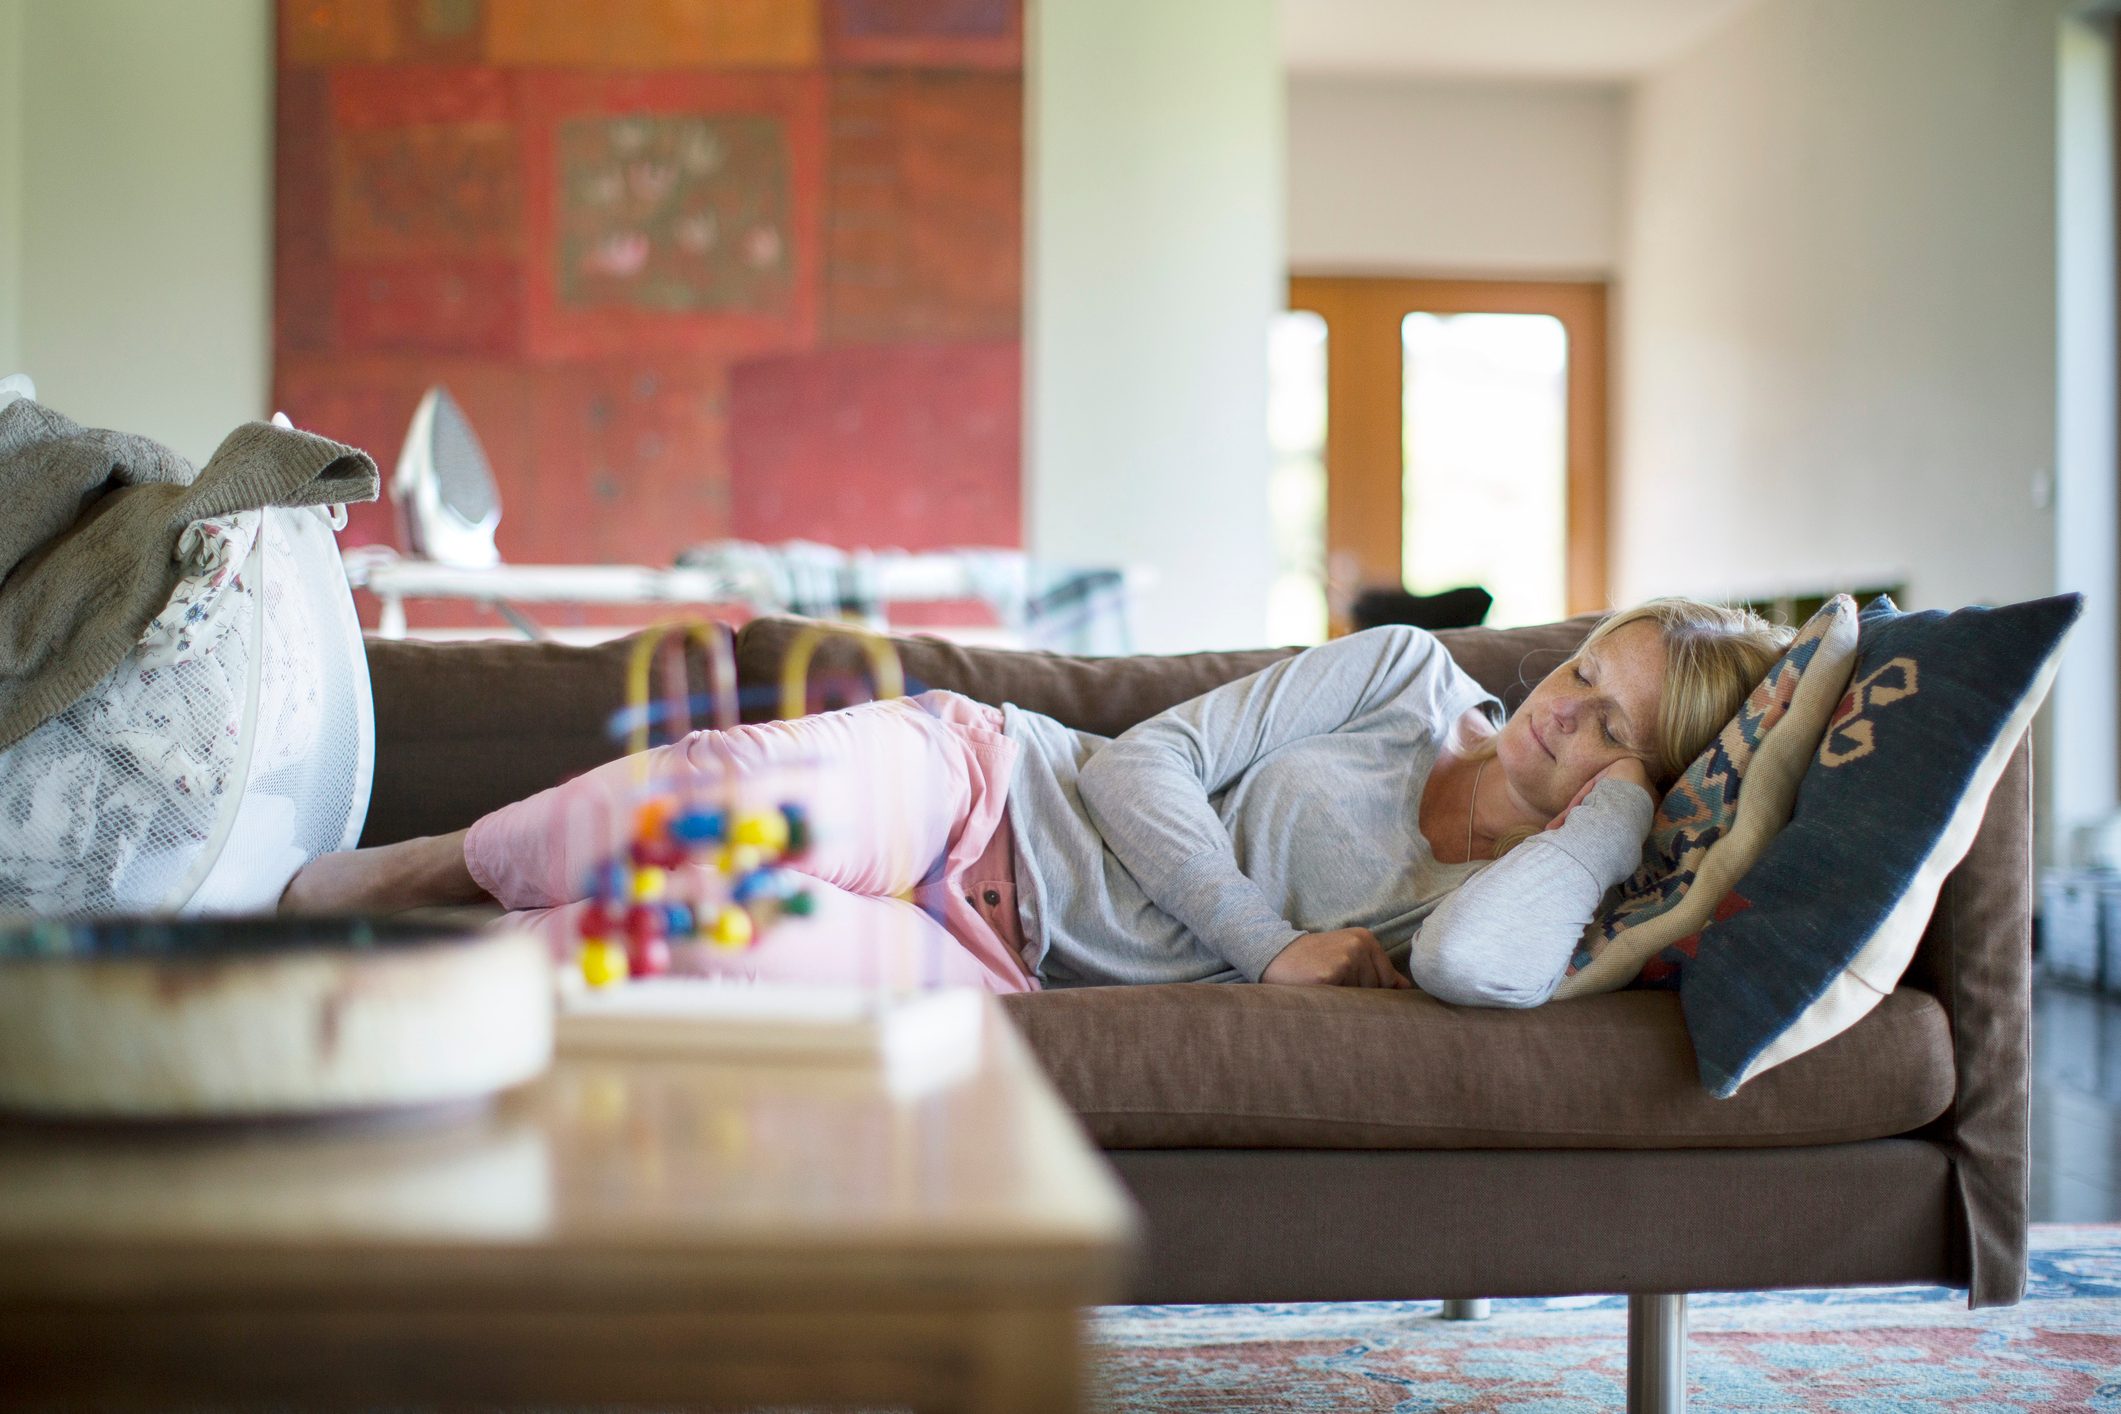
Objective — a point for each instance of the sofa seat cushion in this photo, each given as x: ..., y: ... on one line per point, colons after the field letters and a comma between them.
x: 1198, y: 1066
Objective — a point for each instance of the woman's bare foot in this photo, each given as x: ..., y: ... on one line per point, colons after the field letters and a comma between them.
x: 388, y: 878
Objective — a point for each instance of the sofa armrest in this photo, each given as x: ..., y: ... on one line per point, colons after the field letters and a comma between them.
x: 1976, y: 957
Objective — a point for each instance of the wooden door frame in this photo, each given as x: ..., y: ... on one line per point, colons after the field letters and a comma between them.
x: 1365, y: 508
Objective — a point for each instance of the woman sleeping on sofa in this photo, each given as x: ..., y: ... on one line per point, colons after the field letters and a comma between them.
x: 1356, y: 815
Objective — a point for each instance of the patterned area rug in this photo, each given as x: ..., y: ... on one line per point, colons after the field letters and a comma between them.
x: 1850, y: 1351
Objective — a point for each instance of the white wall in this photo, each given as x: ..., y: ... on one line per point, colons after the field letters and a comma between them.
x: 1156, y: 261
x: 1155, y: 264
x: 2087, y: 509
x: 1838, y: 319
x: 146, y: 225
x: 11, y: 26
x: 1441, y: 177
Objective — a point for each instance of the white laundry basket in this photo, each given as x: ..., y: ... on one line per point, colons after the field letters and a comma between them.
x: 235, y: 743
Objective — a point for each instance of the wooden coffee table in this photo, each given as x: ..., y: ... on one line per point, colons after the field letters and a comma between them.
x: 688, y: 1231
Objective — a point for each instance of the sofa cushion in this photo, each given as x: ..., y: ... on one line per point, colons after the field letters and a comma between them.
x: 1109, y: 695
x: 464, y: 728
x: 1829, y: 919
x: 1351, y: 1068
x: 443, y: 711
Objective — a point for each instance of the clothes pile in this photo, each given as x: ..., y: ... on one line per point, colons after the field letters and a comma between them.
x: 184, y: 707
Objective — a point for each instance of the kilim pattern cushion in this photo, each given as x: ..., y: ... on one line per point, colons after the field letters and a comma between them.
x: 1823, y: 926
x: 1720, y: 815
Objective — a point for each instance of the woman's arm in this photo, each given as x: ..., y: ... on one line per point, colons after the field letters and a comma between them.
x: 1504, y: 938
x: 1148, y: 791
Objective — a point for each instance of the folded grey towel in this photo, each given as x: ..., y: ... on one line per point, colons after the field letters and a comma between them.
x: 89, y: 537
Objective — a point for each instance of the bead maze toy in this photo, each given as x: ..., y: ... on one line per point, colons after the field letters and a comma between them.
x: 703, y: 865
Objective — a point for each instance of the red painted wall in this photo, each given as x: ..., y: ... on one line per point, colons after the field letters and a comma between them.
x: 693, y: 268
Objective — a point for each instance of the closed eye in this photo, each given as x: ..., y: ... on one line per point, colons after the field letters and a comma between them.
x: 1605, y: 724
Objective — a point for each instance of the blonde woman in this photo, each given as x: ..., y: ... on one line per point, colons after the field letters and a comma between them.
x: 1359, y: 814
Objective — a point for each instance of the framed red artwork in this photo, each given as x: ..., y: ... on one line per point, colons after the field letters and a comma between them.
x: 665, y: 254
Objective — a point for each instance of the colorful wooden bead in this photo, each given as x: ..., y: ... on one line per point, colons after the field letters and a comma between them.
x: 649, y: 956
x: 766, y: 829
x: 698, y: 827
x: 603, y: 962
x: 799, y: 904
x: 634, y: 916
x: 736, y: 860
x: 645, y: 920
x: 732, y: 928
x: 661, y: 853
x: 652, y: 819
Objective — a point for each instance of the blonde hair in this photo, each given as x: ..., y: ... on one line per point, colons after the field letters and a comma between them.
x: 1714, y: 655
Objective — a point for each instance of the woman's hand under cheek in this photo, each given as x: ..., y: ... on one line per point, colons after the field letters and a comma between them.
x: 1627, y: 768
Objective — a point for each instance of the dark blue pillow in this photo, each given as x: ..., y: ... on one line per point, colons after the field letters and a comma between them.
x: 1827, y: 920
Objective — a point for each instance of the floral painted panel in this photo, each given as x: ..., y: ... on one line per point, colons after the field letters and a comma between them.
x: 675, y: 213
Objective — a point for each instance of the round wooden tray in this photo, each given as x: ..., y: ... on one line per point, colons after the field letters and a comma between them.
x: 264, y: 1017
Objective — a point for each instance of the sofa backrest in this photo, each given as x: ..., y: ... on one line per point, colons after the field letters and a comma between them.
x: 1108, y: 695
x: 464, y: 728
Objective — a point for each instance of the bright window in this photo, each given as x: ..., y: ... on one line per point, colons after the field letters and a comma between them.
x: 1485, y: 419
x: 1296, y: 428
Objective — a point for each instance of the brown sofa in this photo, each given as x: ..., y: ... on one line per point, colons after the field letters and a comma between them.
x: 1292, y: 1144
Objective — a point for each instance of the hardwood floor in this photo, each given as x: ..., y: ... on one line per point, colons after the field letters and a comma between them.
x: 2076, y: 1105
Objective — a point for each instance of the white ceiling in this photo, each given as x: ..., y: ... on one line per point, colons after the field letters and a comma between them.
x: 1606, y: 41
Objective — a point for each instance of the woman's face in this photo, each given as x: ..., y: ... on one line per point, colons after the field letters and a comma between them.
x: 1594, y: 709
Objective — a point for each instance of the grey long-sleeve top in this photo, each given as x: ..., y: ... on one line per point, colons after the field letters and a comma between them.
x: 1200, y: 843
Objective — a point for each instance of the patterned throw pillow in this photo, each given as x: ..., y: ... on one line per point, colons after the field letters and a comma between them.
x: 1708, y: 831
x: 1826, y: 922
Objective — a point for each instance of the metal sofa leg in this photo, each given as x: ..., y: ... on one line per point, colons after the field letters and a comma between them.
x: 1476, y: 1310
x: 1657, y: 1353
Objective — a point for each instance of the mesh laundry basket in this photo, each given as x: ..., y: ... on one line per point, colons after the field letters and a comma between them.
x: 235, y: 743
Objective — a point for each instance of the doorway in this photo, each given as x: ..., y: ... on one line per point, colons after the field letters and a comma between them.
x: 1435, y: 433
